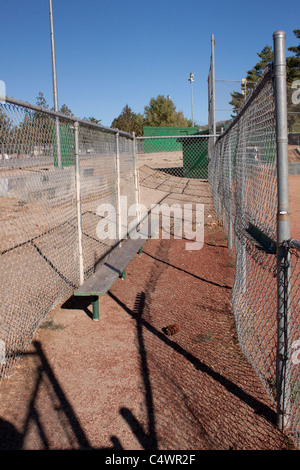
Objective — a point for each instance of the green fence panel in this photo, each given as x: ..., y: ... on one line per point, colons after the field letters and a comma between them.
x: 165, y: 145
x: 66, y: 146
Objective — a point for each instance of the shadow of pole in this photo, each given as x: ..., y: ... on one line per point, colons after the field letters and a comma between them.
x: 68, y: 423
x: 148, y: 439
x: 187, y: 272
x: 65, y: 406
x: 259, y: 407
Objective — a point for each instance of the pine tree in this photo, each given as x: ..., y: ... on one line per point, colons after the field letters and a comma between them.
x: 128, y: 121
x: 293, y: 74
x: 253, y: 75
x: 293, y: 62
x: 41, y: 100
x: 65, y: 110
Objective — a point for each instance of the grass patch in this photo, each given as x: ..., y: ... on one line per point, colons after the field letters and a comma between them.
x: 21, y: 203
x: 231, y: 264
x: 295, y: 391
x: 203, y: 338
x: 50, y: 325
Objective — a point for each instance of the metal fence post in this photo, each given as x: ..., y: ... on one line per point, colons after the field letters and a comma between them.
x: 136, y: 179
x: 78, y: 202
x: 230, y: 229
x: 57, y: 129
x: 118, y: 186
x: 213, y: 85
x: 243, y: 172
x: 283, y: 229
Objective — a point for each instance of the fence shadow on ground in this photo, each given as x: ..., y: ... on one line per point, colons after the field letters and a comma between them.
x: 175, y: 171
x: 258, y: 407
x: 69, y: 424
x: 148, y: 439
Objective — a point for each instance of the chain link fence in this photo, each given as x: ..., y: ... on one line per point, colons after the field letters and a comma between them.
x: 292, y: 387
x: 183, y: 156
x: 244, y: 176
x: 55, y: 173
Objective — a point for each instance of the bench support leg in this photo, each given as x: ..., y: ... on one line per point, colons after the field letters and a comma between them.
x: 95, y: 308
x: 140, y: 250
x: 123, y: 274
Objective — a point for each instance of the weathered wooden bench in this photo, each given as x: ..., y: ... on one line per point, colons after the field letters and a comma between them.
x: 99, y: 283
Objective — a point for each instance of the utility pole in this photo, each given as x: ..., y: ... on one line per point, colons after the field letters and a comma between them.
x: 55, y: 95
x: 191, y: 80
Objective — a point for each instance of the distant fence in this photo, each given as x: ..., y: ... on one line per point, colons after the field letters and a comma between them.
x: 248, y: 171
x: 54, y: 173
x: 183, y: 156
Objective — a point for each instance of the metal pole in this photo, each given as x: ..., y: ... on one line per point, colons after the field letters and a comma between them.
x: 243, y: 170
x: 230, y: 228
x: 78, y: 202
x: 213, y: 98
x: 283, y: 229
x: 55, y: 96
x: 118, y: 187
x: 191, y: 79
x: 192, y: 104
x: 136, y: 179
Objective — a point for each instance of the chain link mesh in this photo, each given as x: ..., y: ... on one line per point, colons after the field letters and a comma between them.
x: 243, y: 177
x: 292, y: 385
x: 39, y: 243
x: 184, y: 156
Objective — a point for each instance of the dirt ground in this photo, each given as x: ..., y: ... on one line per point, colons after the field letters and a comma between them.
x: 294, y: 192
x: 123, y: 382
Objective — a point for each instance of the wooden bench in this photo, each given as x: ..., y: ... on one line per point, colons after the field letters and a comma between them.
x: 101, y: 280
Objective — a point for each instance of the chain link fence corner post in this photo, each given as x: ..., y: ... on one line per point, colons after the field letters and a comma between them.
x: 283, y: 232
x: 118, y: 208
x: 78, y: 203
x: 57, y: 128
x: 136, y: 178
x: 213, y: 91
x: 230, y: 217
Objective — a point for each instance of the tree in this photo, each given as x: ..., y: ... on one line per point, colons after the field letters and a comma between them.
x: 161, y: 111
x: 5, y: 129
x: 41, y: 100
x: 65, y: 110
x: 293, y: 62
x: 93, y: 120
x: 237, y: 99
x: 128, y: 121
x: 267, y: 57
x: 293, y: 74
x: 35, y: 128
x: 253, y: 75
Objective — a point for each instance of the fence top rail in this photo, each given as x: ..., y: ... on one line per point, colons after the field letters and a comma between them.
x: 192, y: 136
x: 14, y: 101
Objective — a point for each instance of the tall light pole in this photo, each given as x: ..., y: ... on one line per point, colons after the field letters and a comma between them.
x: 55, y: 95
x: 213, y: 85
x: 191, y: 80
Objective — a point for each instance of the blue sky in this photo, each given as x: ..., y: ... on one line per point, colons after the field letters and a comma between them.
x: 113, y: 53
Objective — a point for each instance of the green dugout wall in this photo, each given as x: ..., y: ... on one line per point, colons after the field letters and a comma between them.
x: 165, y: 145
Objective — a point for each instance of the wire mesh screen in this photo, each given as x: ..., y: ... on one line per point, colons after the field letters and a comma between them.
x: 243, y: 179
x: 183, y: 156
x: 128, y: 179
x: 292, y: 384
x: 98, y: 175
x: 39, y: 248
x: 41, y: 226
